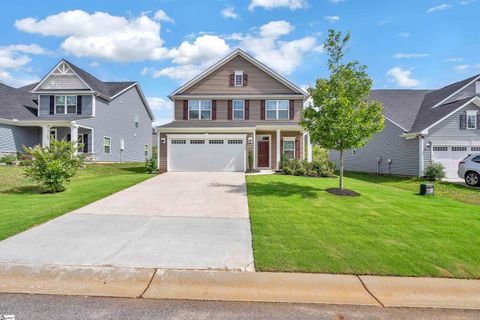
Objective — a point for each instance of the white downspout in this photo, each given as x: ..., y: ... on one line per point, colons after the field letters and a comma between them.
x: 420, y: 155
x: 277, y: 165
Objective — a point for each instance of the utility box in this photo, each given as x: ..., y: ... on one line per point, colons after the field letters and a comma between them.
x: 427, y: 189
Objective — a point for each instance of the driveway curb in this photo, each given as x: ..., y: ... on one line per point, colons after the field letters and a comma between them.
x: 74, y: 280
x: 240, y: 286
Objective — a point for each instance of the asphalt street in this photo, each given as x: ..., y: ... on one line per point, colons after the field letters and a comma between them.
x: 71, y: 307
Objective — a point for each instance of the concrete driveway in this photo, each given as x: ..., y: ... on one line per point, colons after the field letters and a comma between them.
x: 175, y: 221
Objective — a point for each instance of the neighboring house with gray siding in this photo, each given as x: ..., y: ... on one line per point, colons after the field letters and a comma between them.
x: 112, y: 120
x: 421, y: 127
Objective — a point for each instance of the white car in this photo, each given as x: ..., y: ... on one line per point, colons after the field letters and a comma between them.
x: 469, y: 169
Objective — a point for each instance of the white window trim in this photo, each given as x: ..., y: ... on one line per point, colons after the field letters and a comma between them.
x: 471, y: 113
x: 110, y: 139
x: 238, y: 73
x: 65, y: 105
x: 277, y: 110
x: 233, y: 110
x: 200, y: 109
x: 285, y: 139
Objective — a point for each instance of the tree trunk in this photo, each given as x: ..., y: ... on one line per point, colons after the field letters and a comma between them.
x: 341, y: 169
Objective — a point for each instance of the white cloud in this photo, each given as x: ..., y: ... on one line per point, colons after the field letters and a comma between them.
x: 401, y: 55
x: 157, y: 103
x: 206, y: 48
x: 101, y: 35
x: 402, y: 77
x: 161, y: 15
x: 336, y: 1
x: 16, y: 55
x: 229, y: 13
x: 404, y: 34
x: 441, y: 7
x: 7, y: 78
x: 332, y: 19
x: 384, y: 21
x: 453, y: 59
x: 467, y: 67
x: 275, y: 29
x: 271, y: 4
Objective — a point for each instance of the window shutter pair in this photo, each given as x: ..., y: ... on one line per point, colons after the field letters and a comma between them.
x: 79, y: 104
x: 230, y: 110
x: 463, y: 121
x: 262, y: 109
x: 291, y: 112
x: 185, y: 109
x: 52, y: 104
x: 214, y: 109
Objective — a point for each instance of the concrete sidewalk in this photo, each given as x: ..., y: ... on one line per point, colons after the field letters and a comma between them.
x: 241, y: 286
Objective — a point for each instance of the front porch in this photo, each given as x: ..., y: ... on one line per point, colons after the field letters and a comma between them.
x: 270, y: 146
x: 70, y: 132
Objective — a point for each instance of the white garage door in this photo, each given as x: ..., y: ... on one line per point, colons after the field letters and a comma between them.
x: 206, y: 154
x: 450, y: 156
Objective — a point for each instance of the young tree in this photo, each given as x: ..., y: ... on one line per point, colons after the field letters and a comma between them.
x: 54, y: 165
x: 342, y: 117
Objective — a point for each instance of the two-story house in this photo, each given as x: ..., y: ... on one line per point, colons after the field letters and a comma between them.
x: 422, y: 127
x: 112, y: 120
x: 236, y: 109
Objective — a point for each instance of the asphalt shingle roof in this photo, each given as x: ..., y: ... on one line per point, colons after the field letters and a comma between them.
x: 16, y: 104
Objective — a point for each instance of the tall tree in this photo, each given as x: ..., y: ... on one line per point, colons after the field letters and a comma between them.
x: 342, y: 116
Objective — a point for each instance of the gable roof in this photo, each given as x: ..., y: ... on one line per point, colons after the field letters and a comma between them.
x: 437, y: 97
x: 108, y: 90
x: 400, y: 106
x: 229, y: 57
x: 16, y: 104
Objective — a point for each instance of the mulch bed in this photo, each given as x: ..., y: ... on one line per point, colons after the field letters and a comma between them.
x: 342, y: 192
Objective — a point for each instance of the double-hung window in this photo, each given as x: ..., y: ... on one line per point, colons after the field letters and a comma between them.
x: 65, y: 104
x: 238, y: 78
x: 238, y: 109
x: 471, y: 119
x: 136, y: 120
x: 289, y: 148
x: 277, y: 109
x: 200, y: 109
x: 107, y: 145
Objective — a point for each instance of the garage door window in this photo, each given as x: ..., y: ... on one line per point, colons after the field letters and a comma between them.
x: 476, y: 149
x: 235, y: 141
x: 200, y: 109
x: 440, y: 148
x: 459, y: 149
x: 197, y: 141
x: 179, y: 141
x: 215, y: 141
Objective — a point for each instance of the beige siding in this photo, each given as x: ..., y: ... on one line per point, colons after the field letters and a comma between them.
x: 259, y: 82
x: 222, y: 110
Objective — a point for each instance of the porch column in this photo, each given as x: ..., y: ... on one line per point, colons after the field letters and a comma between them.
x: 74, y: 135
x: 309, y: 148
x: 46, y: 135
x: 254, y: 150
x: 278, y: 150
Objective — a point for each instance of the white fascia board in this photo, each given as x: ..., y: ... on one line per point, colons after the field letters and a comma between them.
x: 28, y: 123
x: 240, y: 97
x: 441, y: 102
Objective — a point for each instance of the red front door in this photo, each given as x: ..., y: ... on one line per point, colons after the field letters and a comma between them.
x: 263, y: 154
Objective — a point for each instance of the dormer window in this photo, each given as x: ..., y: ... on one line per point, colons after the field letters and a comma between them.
x: 238, y: 78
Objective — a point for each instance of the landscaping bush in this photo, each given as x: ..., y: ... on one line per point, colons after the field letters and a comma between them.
x: 435, y: 171
x: 8, y: 159
x: 54, y: 165
x: 151, y: 165
x: 316, y: 168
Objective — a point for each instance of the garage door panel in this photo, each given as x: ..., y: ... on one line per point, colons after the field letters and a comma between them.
x: 207, y: 155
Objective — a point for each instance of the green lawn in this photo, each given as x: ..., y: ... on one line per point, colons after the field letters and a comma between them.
x: 389, y: 230
x: 22, y: 204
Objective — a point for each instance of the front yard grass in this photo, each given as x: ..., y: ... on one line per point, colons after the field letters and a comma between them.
x: 22, y: 204
x: 389, y: 230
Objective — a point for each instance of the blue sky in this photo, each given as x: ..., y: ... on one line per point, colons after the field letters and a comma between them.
x: 405, y: 44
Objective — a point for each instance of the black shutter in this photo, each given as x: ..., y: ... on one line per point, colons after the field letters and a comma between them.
x: 85, y: 143
x: 52, y: 104
x: 463, y: 121
x: 214, y: 109
x: 79, y: 104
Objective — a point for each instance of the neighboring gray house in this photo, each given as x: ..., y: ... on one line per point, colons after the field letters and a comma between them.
x: 111, y: 119
x: 421, y: 127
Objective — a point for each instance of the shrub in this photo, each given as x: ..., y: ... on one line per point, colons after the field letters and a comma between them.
x: 8, y: 159
x: 54, y: 165
x: 151, y: 165
x: 250, y: 160
x: 435, y: 171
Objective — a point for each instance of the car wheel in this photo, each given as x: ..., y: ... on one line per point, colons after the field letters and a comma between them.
x: 472, y: 178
